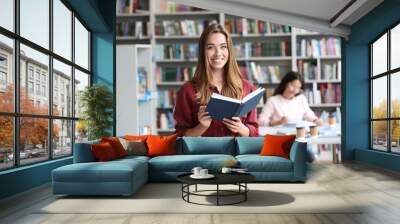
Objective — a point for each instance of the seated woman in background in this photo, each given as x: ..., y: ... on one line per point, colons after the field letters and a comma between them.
x: 288, y: 104
x: 217, y: 72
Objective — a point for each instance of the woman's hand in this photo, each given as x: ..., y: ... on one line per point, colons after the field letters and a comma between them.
x: 203, y: 117
x: 282, y: 121
x: 318, y: 122
x: 235, y: 125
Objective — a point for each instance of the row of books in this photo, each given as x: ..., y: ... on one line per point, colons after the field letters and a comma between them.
x: 180, y: 27
x: 165, y: 120
x: 329, y: 71
x: 175, y: 51
x: 257, y: 73
x: 262, y: 49
x: 171, y: 6
x: 174, y: 74
x: 323, y: 93
x: 137, y: 29
x: 166, y: 98
x: 128, y: 6
x: 251, y: 26
x: 319, y: 47
x: 309, y: 69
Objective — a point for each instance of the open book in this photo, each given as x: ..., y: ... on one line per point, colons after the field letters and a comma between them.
x: 220, y: 106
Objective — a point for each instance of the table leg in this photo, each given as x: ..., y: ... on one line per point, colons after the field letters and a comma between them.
x: 335, y: 153
x: 245, y: 191
x: 217, y: 194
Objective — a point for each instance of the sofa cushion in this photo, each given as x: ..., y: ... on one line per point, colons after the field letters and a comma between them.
x: 116, y: 145
x: 185, y: 163
x: 103, y: 152
x: 207, y: 145
x: 257, y: 163
x: 277, y: 145
x: 249, y: 145
x: 111, y: 171
x: 134, y: 147
x: 161, y: 145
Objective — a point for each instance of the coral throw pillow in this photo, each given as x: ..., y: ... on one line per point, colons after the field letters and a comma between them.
x: 136, y: 137
x: 275, y: 145
x: 116, y: 145
x: 161, y: 145
x: 103, y: 152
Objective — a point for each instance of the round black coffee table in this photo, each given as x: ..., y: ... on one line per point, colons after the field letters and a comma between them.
x: 238, y: 179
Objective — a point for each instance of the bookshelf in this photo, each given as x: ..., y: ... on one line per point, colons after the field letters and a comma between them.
x: 265, y: 52
x: 135, y: 90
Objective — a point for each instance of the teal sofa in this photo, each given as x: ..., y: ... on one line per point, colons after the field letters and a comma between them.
x: 125, y: 176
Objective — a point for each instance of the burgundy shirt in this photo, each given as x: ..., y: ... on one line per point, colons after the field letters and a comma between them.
x: 187, y: 107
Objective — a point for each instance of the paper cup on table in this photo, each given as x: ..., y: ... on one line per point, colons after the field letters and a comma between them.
x: 300, y: 132
x: 314, y: 131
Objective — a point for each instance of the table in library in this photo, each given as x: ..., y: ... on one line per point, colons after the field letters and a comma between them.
x: 334, y: 140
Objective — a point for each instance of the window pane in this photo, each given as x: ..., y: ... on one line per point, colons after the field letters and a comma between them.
x: 395, y: 47
x: 33, y: 140
x: 62, y: 29
x: 7, y: 14
x: 62, y: 136
x: 81, y: 131
x: 6, y: 74
x: 35, y: 21
x: 81, y: 45
x: 379, y: 98
x: 379, y: 135
x: 379, y: 55
x: 81, y: 81
x: 34, y: 97
x: 395, y: 95
x: 395, y: 136
x: 62, y: 89
x: 6, y: 142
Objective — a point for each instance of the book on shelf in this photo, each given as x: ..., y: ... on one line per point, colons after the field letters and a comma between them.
x: 321, y: 47
x: 128, y: 6
x: 243, y: 26
x: 257, y: 73
x: 262, y: 49
x: 176, y: 51
x: 165, y: 120
x: 174, y: 74
x: 323, y: 93
x: 171, y: 6
x: 180, y: 27
x: 220, y: 106
x: 166, y: 98
x: 138, y: 29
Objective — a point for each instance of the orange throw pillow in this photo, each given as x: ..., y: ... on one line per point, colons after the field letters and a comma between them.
x: 103, y: 152
x: 116, y: 145
x: 276, y: 145
x: 136, y: 137
x: 161, y: 145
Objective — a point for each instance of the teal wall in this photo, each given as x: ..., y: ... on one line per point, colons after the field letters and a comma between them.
x: 356, y: 84
x: 99, y: 16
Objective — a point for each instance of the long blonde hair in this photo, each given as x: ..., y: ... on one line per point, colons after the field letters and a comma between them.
x: 203, y: 77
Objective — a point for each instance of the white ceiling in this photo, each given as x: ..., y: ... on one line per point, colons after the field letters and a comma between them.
x: 321, y: 9
x: 315, y: 15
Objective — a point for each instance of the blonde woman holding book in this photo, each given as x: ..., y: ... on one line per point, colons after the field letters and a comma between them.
x: 216, y: 72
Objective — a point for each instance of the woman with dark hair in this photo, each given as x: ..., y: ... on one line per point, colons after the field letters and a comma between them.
x: 216, y: 72
x: 288, y: 103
